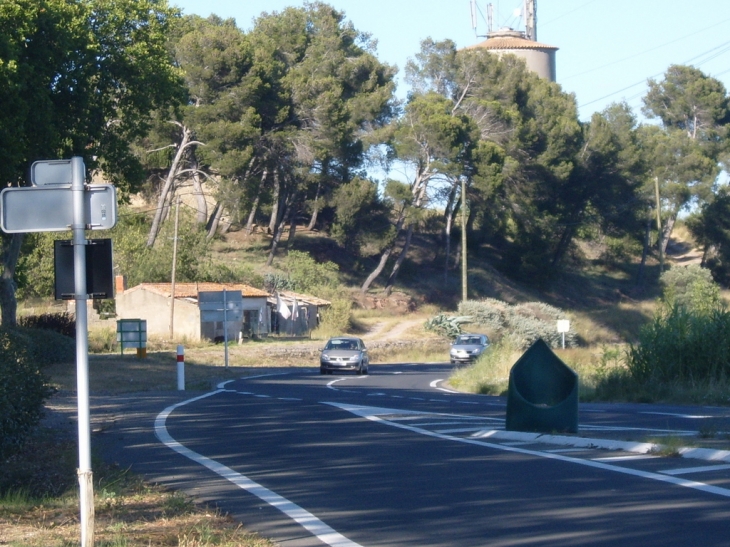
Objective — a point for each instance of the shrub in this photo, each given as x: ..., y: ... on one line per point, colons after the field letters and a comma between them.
x: 61, y: 322
x: 691, y: 287
x: 23, y: 388
x: 521, y: 323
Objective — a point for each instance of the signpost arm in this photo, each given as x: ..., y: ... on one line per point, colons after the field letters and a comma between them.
x: 86, y: 483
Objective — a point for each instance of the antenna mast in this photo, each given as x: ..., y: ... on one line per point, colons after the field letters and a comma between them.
x: 490, y: 17
x: 531, y: 20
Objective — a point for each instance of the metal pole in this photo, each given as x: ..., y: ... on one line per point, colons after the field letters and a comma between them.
x: 464, y: 291
x: 225, y: 325
x: 86, y: 483
x: 174, y: 262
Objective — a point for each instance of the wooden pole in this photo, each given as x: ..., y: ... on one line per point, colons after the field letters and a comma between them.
x: 659, y: 225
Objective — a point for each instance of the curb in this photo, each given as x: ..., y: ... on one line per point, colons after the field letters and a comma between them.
x: 708, y: 454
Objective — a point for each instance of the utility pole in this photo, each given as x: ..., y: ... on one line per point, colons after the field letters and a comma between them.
x: 659, y: 225
x: 464, y: 291
x: 174, y: 262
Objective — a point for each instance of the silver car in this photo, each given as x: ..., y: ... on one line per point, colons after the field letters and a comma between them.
x: 344, y: 353
x: 468, y: 347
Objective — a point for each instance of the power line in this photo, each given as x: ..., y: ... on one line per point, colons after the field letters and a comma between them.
x: 645, y: 51
x: 725, y: 45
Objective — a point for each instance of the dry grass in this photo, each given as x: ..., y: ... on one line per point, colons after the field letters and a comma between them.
x: 128, y: 513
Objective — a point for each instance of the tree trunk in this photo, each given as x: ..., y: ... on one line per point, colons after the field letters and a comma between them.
x: 9, y: 259
x: 274, y: 220
x: 292, y: 227
x: 449, y: 214
x: 644, y: 252
x: 667, y: 232
x: 215, y: 220
x: 399, y: 262
x: 378, y: 269
x: 255, y: 205
x: 280, y: 230
x: 201, y: 216
x: 163, y: 203
x: 315, y: 208
x: 386, y: 254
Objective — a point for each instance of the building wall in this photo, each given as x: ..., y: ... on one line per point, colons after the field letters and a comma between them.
x: 155, y: 308
x: 539, y: 61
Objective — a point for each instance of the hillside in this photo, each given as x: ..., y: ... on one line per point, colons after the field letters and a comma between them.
x: 603, y: 299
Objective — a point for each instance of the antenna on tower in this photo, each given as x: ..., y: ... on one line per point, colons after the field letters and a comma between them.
x: 490, y: 18
x: 531, y: 20
x: 474, y: 15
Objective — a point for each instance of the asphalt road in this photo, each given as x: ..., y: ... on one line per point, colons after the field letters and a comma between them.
x: 394, y: 459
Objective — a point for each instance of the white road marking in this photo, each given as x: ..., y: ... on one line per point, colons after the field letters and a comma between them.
x: 685, y: 470
x: 325, y: 533
x: 688, y: 416
x: 625, y: 458
x: 375, y: 414
x: 565, y: 450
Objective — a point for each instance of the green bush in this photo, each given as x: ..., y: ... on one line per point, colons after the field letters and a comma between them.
x: 23, y: 387
x: 691, y: 287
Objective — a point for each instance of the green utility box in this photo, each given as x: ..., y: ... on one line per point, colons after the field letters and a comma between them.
x: 132, y: 333
x: 542, y: 394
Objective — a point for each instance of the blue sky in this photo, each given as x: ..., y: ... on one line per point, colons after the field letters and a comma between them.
x: 607, y: 49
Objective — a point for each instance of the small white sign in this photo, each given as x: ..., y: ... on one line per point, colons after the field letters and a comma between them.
x: 563, y: 325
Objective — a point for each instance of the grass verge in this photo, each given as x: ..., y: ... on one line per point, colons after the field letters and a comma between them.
x: 39, y: 505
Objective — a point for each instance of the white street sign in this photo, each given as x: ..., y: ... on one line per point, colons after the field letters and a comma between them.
x: 51, y: 173
x: 50, y: 208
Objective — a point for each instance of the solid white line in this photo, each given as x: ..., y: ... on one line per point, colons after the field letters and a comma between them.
x: 318, y: 528
x: 688, y: 416
x: 625, y: 458
x: 371, y: 414
x: 684, y: 470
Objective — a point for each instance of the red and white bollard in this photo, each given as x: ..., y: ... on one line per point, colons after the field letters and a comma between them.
x: 180, y: 368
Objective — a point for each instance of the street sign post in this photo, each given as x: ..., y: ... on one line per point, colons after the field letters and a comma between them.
x: 222, y: 306
x: 60, y: 200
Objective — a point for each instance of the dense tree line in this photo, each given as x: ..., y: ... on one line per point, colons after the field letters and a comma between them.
x: 280, y: 126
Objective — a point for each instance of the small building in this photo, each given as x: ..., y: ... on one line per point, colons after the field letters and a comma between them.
x: 295, y: 314
x: 153, y: 302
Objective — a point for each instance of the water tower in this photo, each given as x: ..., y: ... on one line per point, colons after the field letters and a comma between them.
x: 539, y: 58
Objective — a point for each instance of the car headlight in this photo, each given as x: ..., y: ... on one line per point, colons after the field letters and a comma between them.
x: 325, y: 357
x: 355, y: 358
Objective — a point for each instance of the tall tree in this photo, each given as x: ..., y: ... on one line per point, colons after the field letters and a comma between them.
x: 79, y: 77
x: 695, y: 113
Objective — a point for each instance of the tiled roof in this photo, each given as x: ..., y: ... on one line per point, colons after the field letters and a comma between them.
x: 190, y: 290
x: 509, y: 42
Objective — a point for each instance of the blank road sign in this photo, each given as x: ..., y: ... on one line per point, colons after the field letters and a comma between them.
x: 51, y: 172
x: 50, y: 208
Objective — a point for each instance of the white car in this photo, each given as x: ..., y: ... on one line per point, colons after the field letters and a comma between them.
x: 468, y: 347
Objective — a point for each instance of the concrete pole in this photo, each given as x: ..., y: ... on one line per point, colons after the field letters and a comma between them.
x: 86, y: 482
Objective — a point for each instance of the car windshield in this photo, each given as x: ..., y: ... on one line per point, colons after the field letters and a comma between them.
x: 469, y: 340
x: 341, y: 344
